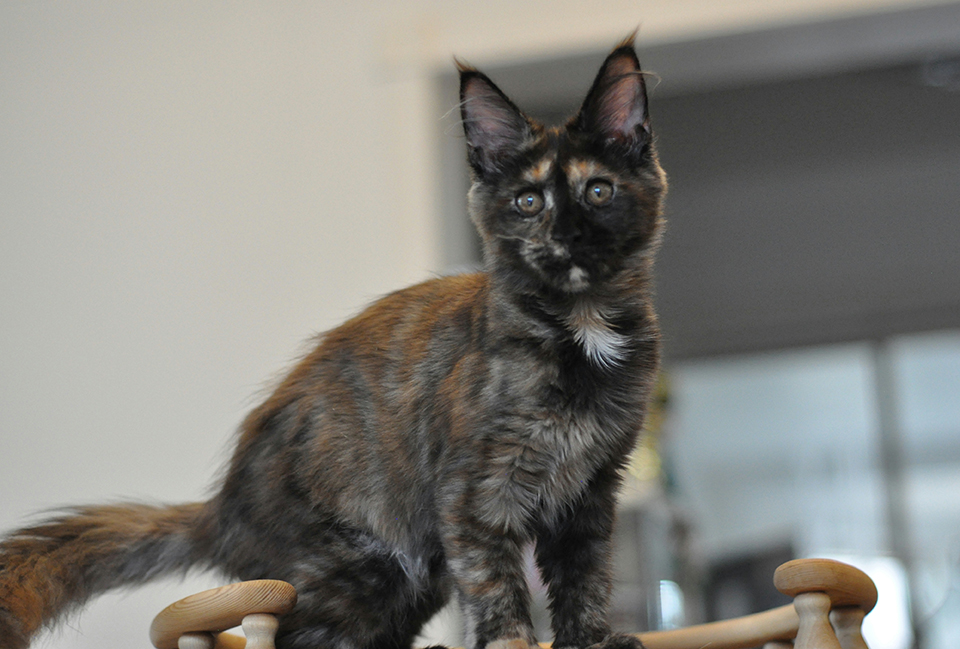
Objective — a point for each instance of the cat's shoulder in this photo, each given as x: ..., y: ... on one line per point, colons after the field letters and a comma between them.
x: 426, y: 301
x: 439, y: 291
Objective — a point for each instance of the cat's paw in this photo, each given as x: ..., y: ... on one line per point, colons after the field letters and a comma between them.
x: 619, y: 641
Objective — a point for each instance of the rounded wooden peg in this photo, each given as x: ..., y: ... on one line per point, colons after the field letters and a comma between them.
x: 847, y: 622
x: 844, y: 584
x: 195, y: 641
x: 815, y: 631
x: 260, y: 630
x: 220, y: 608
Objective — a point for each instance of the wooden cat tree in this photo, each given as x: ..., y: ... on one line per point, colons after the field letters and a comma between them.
x: 830, y: 600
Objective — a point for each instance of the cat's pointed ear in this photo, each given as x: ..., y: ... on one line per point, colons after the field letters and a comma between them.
x: 615, y: 109
x: 494, y: 126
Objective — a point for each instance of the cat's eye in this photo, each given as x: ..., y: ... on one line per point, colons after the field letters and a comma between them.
x: 529, y: 202
x: 598, y: 193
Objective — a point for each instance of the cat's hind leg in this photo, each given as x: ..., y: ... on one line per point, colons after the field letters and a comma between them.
x: 355, y: 593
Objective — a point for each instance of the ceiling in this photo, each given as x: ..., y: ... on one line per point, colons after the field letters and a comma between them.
x: 811, y: 210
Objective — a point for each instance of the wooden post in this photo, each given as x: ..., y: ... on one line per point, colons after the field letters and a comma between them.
x: 260, y: 630
x: 847, y: 622
x: 195, y: 641
x: 815, y: 631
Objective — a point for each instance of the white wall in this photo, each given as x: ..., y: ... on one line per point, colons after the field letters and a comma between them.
x: 187, y: 191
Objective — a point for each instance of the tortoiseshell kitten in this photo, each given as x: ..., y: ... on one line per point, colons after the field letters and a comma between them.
x: 421, y: 445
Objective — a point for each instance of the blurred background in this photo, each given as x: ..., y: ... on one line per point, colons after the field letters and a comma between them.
x: 189, y: 191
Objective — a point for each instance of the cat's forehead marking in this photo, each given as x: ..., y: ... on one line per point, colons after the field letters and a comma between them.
x: 580, y: 170
x: 540, y: 171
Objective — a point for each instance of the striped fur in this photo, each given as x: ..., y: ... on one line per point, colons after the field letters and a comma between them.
x: 419, y: 447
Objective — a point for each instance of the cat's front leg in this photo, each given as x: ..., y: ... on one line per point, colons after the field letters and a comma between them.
x: 573, y: 554
x: 487, y: 566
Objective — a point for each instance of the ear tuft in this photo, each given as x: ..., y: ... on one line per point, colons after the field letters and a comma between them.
x: 495, y: 128
x: 463, y: 66
x: 629, y: 40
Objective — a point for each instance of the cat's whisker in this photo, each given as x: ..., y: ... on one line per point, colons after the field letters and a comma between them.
x: 455, y: 108
x: 515, y: 237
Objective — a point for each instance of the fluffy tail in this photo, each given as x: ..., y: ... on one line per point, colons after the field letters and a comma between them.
x: 50, y: 568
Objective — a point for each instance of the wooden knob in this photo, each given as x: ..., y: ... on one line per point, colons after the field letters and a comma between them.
x: 219, y: 609
x: 843, y: 584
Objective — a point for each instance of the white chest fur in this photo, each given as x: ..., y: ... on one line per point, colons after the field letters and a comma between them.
x: 590, y: 326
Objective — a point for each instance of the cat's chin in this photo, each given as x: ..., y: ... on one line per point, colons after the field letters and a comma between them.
x: 573, y: 281
x: 578, y: 280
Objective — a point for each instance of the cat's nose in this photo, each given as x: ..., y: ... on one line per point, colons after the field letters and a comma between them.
x: 568, y: 232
